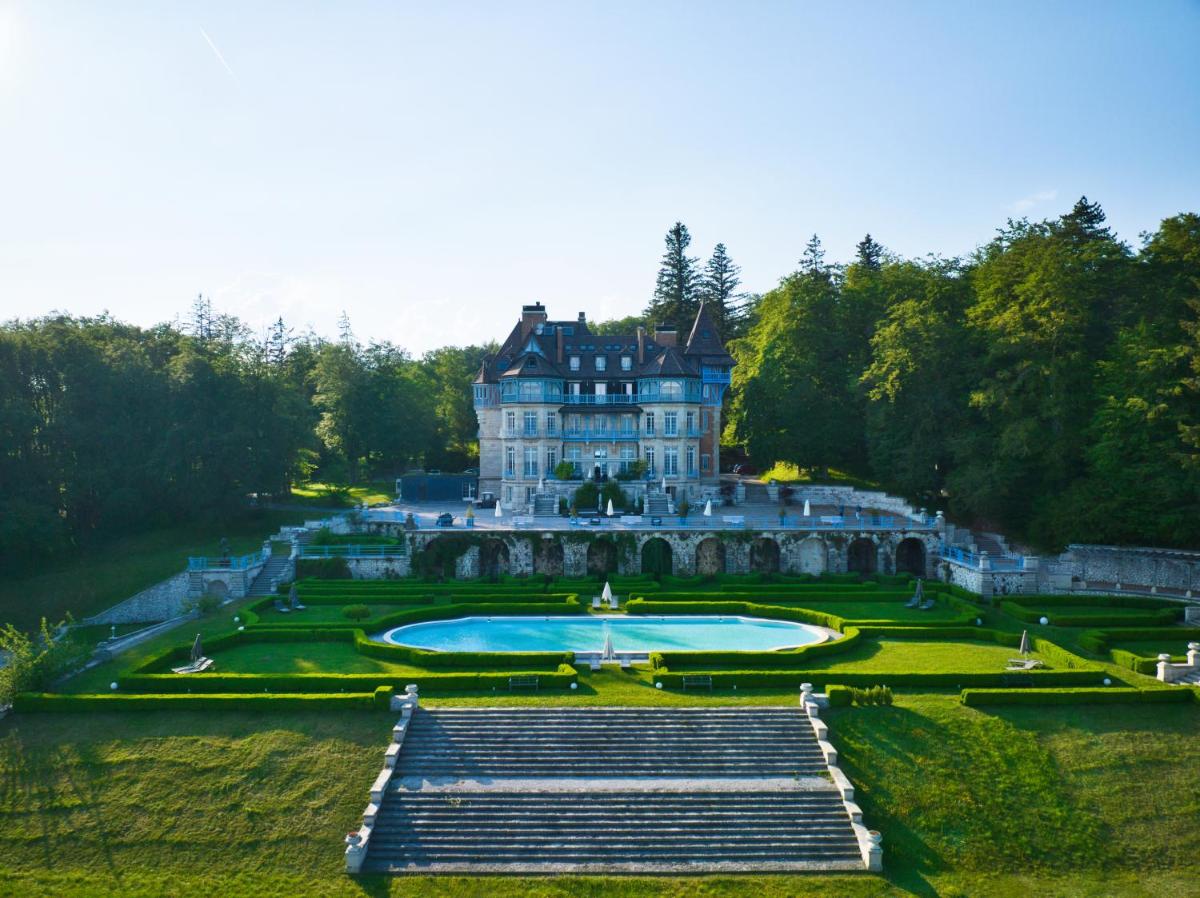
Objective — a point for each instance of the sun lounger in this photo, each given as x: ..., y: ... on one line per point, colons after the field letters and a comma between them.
x: 595, y: 601
x: 614, y: 603
x: 914, y: 602
x: 198, y: 666
x: 1024, y: 664
x: 625, y: 663
x: 594, y: 663
x: 927, y: 605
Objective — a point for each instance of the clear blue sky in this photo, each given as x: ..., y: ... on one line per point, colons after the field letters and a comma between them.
x: 429, y: 166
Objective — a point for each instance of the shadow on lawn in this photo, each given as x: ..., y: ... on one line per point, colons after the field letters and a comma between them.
x: 53, y: 787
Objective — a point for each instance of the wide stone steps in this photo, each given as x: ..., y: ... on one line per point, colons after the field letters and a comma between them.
x: 582, y: 742
x: 597, y: 830
x: 545, y: 790
x: 273, y: 569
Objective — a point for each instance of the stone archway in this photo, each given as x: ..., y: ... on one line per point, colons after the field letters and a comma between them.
x: 656, y: 556
x: 493, y: 558
x: 910, y: 557
x: 217, y: 588
x: 548, y: 559
x: 813, y: 556
x: 764, y: 556
x: 601, y: 558
x: 860, y: 556
x: 710, y: 557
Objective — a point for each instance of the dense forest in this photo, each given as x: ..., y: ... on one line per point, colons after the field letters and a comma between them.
x: 1049, y: 385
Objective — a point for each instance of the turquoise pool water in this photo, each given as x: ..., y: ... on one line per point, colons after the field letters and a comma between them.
x: 588, y: 634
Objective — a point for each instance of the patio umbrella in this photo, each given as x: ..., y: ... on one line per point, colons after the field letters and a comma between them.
x: 664, y: 483
x: 541, y: 484
x: 708, y: 509
x: 292, y: 596
x: 499, y: 509
x: 807, y: 508
x: 1023, y: 648
x: 609, y: 654
x: 610, y: 508
x: 920, y: 594
x: 606, y: 593
x: 197, y: 651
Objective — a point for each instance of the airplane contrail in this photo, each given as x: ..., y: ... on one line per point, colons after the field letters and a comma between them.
x: 218, y: 52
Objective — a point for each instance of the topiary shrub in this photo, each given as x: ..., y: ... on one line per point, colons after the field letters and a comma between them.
x: 356, y: 612
x: 587, y: 496
x: 839, y: 696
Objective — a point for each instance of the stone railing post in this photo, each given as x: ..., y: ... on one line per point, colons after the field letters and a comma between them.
x: 1165, y: 673
x: 1193, y: 655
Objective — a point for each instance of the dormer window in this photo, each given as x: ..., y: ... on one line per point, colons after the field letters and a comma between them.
x: 601, y: 363
x: 574, y: 363
x: 626, y: 363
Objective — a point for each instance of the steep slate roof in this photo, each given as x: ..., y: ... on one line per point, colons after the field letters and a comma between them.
x: 705, y: 342
x: 515, y: 355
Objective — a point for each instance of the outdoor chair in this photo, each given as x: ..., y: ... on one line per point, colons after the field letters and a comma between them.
x: 198, y: 666
x: 594, y: 663
x: 614, y: 603
x: 914, y: 602
x: 928, y: 605
x: 1024, y: 664
x: 625, y: 662
x: 595, y: 602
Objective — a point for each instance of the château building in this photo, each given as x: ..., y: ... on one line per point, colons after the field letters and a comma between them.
x: 643, y: 409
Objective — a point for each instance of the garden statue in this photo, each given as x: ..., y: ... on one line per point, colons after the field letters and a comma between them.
x: 224, y: 547
x: 410, y: 522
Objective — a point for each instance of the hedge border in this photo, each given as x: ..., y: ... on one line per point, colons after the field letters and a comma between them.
x: 46, y: 701
x: 1067, y: 696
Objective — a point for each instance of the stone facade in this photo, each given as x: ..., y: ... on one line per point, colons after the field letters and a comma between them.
x: 555, y: 392
x: 575, y: 553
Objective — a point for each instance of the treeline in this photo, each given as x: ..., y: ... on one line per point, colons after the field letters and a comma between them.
x: 1049, y: 385
x: 107, y: 428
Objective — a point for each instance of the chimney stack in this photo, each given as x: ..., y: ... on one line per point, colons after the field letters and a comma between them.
x: 641, y: 345
x: 531, y: 316
x: 665, y: 335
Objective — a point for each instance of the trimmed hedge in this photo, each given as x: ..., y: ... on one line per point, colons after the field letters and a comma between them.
x: 1097, y: 641
x: 1090, y: 601
x: 1151, y: 617
x: 767, y: 679
x: 802, y: 615
x: 45, y: 701
x: 785, y: 659
x: 398, y: 654
x: 246, y: 684
x: 839, y: 696
x: 1111, y: 695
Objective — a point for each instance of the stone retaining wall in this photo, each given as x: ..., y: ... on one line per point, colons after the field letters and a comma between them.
x: 162, y: 601
x: 1169, y: 569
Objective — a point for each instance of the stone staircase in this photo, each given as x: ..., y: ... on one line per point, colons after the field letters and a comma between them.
x: 756, y: 493
x: 276, y: 567
x: 545, y: 505
x: 593, y: 790
x: 619, y: 741
x: 656, y: 503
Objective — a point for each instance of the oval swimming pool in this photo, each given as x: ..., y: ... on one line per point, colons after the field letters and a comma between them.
x: 634, y: 635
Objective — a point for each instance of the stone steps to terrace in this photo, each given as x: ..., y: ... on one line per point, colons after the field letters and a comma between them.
x: 594, y: 790
x: 272, y: 570
x: 579, y: 742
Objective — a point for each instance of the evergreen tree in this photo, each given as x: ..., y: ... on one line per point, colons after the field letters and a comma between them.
x: 345, y: 332
x: 869, y: 254
x: 812, y: 262
x: 718, y: 287
x: 201, y: 323
x: 676, y: 291
x: 279, y: 339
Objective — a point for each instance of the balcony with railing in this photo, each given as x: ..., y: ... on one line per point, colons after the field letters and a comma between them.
x: 981, y: 561
x: 606, y: 399
x: 600, y: 435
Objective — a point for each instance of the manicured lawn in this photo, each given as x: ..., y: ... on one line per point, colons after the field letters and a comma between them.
x: 889, y: 611
x: 343, y: 495
x: 303, y: 657
x: 1089, y: 611
x: 895, y: 656
x: 324, y: 614
x: 1059, y: 801
x: 1152, y: 648
x: 92, y: 581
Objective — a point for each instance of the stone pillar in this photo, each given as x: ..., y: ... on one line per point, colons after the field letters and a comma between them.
x: 739, y: 493
x: 466, y: 566
x: 773, y: 491
x: 1193, y: 654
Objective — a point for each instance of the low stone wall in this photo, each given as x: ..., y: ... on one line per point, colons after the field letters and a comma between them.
x: 851, y: 497
x: 379, y: 568
x: 160, y: 602
x: 1165, y: 569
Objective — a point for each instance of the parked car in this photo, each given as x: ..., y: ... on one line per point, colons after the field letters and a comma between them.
x: 445, y: 519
